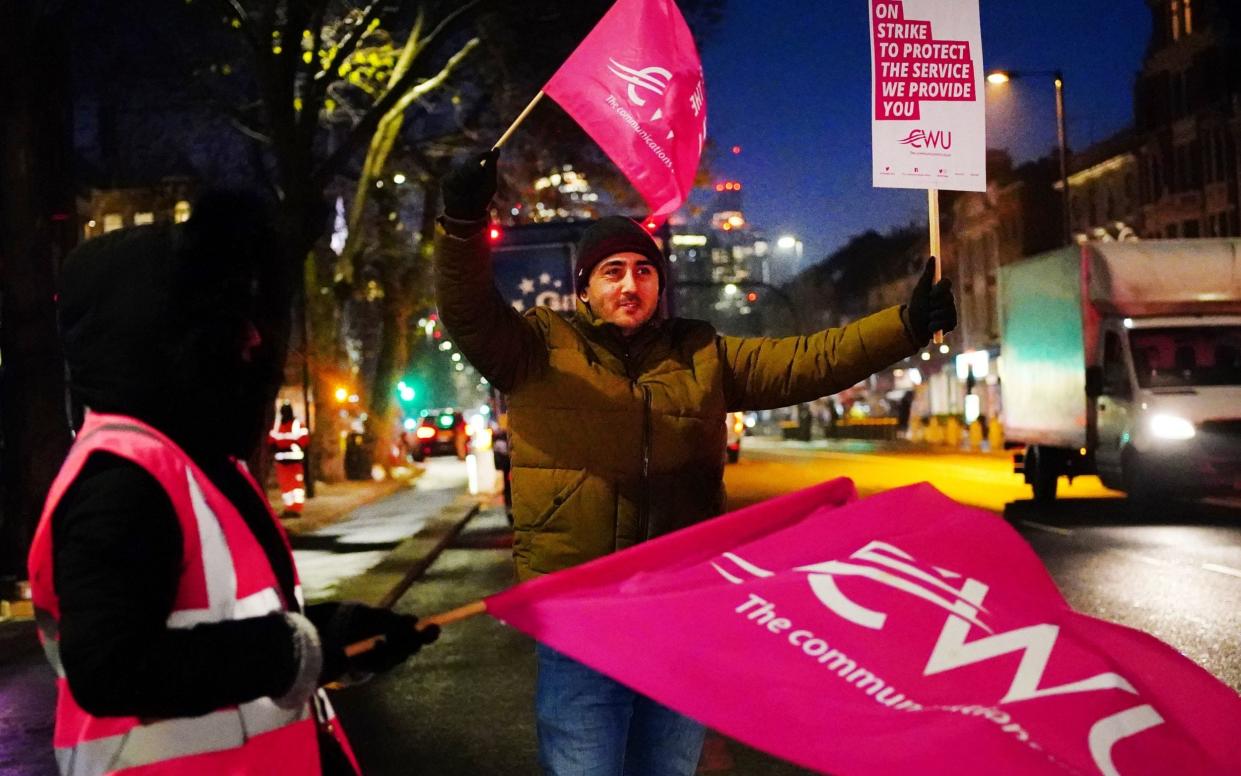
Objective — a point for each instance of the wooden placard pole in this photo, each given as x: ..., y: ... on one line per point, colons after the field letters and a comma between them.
x: 932, y: 201
x: 520, y: 118
x: 443, y: 618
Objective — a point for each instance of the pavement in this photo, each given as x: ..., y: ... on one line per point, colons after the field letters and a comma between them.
x: 359, y: 541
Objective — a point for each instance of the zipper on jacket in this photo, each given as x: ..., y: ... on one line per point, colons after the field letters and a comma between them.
x: 644, y: 510
x: 644, y: 514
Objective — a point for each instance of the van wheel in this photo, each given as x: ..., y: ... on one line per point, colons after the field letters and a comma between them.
x: 1141, y: 486
x: 1042, y: 473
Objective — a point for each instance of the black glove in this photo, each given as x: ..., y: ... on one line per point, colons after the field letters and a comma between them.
x: 931, y: 307
x: 341, y: 625
x: 470, y: 186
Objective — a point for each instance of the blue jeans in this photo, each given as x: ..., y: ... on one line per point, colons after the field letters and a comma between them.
x: 590, y: 725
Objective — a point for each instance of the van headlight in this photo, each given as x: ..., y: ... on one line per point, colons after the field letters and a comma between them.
x: 1171, y: 427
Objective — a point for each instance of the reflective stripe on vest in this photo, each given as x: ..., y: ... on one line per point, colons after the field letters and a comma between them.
x: 172, y: 739
x: 208, y: 592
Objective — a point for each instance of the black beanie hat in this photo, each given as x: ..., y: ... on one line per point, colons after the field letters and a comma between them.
x: 610, y: 236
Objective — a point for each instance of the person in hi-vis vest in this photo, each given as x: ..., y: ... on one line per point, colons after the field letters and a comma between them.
x: 289, y: 440
x: 165, y: 591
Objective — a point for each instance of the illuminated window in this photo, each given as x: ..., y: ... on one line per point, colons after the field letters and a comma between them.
x: 112, y: 222
x: 144, y: 218
x: 181, y: 212
x: 1176, y: 19
x: 1188, y: 6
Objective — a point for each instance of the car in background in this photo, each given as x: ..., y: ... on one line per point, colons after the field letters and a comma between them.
x: 736, y: 425
x: 439, y: 432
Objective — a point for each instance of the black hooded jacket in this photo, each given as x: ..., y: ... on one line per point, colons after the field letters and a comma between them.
x: 157, y: 322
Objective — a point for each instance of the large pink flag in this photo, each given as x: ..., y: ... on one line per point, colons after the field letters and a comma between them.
x: 635, y: 85
x: 904, y: 633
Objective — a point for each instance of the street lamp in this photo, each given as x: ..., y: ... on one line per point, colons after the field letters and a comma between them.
x: 1001, y: 77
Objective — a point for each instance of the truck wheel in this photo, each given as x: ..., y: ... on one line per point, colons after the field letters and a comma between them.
x: 1043, y: 473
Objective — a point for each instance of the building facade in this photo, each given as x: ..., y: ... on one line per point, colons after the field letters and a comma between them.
x: 105, y: 210
x: 1103, y: 190
x: 1187, y: 106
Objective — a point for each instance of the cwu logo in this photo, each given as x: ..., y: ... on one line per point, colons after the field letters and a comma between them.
x: 651, y: 79
x: 921, y: 138
x: 965, y: 638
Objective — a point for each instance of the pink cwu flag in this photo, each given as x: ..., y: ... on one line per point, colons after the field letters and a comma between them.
x: 635, y: 85
x: 903, y: 633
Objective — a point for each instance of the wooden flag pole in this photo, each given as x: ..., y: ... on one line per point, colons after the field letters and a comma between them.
x: 932, y: 201
x: 520, y: 118
x: 443, y: 618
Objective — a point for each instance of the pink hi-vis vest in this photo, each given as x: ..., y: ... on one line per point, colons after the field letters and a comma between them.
x: 225, y: 575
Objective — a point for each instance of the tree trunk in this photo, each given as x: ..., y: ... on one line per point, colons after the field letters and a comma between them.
x: 392, y: 362
x: 37, y: 227
x: 326, y: 455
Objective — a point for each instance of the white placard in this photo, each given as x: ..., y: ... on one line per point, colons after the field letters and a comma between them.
x: 928, y: 118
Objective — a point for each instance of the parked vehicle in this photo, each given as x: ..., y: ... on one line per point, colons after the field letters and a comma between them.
x: 1124, y: 359
x: 440, y: 432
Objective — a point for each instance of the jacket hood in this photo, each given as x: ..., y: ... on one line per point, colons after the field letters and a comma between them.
x: 156, y: 320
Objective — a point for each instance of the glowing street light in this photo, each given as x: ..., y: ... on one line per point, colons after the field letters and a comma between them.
x: 1002, y: 77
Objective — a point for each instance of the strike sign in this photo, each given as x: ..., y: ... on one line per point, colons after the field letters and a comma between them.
x: 928, y: 123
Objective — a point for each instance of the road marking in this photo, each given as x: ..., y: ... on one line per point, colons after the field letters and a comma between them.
x: 1047, y: 528
x: 1221, y: 569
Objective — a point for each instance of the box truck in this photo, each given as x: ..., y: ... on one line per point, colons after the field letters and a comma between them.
x: 1123, y: 359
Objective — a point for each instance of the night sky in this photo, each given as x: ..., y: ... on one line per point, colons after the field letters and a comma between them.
x: 789, y: 81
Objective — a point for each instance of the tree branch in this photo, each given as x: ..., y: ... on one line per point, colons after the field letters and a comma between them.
x: 347, y: 45
x: 397, y: 94
x: 449, y: 19
x: 241, y: 12
x: 413, y: 46
x: 248, y: 130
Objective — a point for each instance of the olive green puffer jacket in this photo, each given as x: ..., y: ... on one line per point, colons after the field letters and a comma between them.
x: 616, y: 440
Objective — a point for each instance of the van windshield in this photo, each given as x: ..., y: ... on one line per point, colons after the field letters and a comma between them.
x: 1187, y: 356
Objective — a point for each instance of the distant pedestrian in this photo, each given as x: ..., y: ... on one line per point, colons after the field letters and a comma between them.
x: 289, y: 439
x: 617, y: 427
x: 164, y: 588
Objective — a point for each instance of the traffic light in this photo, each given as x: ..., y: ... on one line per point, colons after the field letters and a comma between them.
x: 406, y: 391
